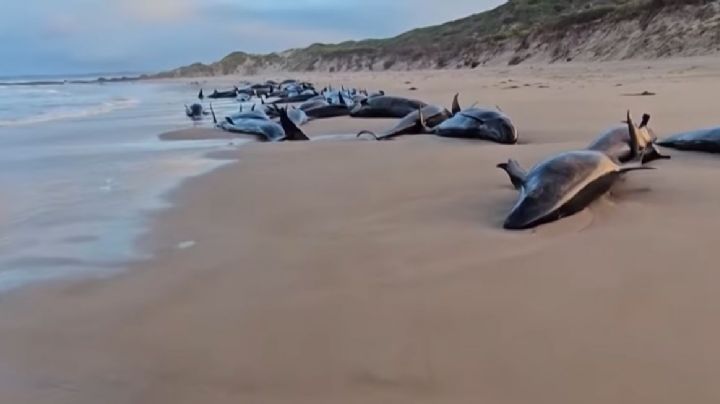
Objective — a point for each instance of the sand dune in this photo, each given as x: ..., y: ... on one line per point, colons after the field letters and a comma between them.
x: 360, y: 271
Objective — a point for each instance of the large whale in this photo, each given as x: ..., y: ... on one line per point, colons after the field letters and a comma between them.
x: 319, y: 107
x: 479, y: 123
x: 383, y: 106
x: 420, y: 121
x: 565, y: 184
x: 256, y: 122
x: 224, y: 94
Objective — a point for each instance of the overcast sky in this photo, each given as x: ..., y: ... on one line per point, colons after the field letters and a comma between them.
x: 76, y: 36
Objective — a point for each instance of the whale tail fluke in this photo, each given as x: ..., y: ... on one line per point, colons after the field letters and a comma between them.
x: 515, y: 172
x: 645, y: 120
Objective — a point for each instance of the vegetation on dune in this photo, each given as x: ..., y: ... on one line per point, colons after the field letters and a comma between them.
x: 513, y: 30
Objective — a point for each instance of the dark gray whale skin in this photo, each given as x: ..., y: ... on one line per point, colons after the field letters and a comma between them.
x: 257, y: 123
x: 318, y: 108
x: 616, y: 143
x: 417, y: 122
x: 566, y: 183
x: 194, y: 111
x: 702, y: 140
x: 383, y: 106
x: 224, y: 94
x: 479, y: 123
x: 254, y: 123
x: 562, y: 186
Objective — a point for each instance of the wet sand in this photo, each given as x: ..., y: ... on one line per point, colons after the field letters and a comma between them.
x: 358, y: 271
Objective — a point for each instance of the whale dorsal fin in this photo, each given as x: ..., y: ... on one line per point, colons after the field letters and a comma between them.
x: 292, y: 132
x: 456, y: 104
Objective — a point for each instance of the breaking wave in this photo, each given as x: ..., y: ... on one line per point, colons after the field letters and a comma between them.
x: 59, y: 113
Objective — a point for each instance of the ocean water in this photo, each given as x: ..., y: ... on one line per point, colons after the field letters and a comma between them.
x: 81, y: 168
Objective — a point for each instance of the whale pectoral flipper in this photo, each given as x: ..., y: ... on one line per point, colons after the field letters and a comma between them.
x: 213, y: 114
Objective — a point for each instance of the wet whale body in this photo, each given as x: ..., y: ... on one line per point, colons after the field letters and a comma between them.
x: 473, y: 123
x: 257, y: 123
x: 194, y: 111
x: 320, y: 107
x: 383, y: 106
x: 420, y: 121
x: 224, y: 94
x: 479, y: 123
x: 564, y: 184
x: 417, y: 122
x: 616, y: 142
x: 702, y: 140
x: 293, y: 98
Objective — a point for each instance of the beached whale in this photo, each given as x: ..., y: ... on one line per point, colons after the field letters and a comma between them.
x: 385, y: 107
x: 616, y: 142
x: 296, y: 115
x: 417, y: 122
x: 292, y: 132
x: 564, y: 184
x: 257, y: 123
x: 194, y: 112
x: 318, y: 108
x: 702, y: 140
x: 340, y: 97
x: 224, y: 94
x: 289, y: 99
x: 479, y: 123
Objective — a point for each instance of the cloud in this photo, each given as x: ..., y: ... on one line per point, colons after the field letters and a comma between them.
x: 284, y: 36
x: 158, y: 10
x: 61, y: 25
x: 149, y: 35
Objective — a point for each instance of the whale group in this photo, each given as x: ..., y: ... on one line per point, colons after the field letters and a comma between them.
x: 304, y: 102
x: 558, y: 186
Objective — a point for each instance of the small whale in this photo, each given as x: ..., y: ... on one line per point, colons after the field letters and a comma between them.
x: 383, y: 106
x: 702, y: 140
x: 478, y: 123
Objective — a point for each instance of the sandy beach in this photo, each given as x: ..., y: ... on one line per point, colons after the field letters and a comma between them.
x: 354, y: 271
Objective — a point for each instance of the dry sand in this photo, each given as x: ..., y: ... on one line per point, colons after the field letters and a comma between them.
x: 368, y: 272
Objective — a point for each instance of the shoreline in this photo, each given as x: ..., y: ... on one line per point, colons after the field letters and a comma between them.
x: 360, y: 271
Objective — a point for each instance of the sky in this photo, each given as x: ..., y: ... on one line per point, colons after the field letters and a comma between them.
x: 83, y: 36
